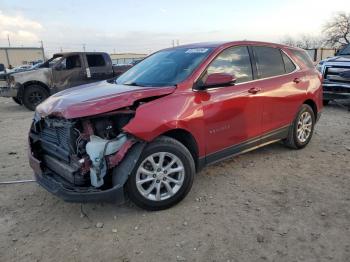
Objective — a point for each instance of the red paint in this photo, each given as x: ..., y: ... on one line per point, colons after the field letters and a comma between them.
x: 219, y: 78
x: 113, y: 160
x: 96, y: 98
x: 217, y: 118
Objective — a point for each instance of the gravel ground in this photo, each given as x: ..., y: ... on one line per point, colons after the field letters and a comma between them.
x: 273, y: 204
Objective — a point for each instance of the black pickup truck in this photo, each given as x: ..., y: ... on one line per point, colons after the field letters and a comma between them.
x: 336, y: 75
x: 62, y: 71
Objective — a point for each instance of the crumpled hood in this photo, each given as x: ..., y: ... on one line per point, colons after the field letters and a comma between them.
x: 96, y: 98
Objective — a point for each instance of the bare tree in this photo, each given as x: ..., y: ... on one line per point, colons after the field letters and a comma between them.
x: 337, y: 30
x: 303, y: 41
x: 289, y: 41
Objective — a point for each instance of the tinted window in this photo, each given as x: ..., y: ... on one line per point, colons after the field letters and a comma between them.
x: 233, y: 61
x: 288, y: 64
x: 71, y: 62
x: 304, y: 58
x: 95, y: 60
x: 345, y: 51
x: 268, y: 61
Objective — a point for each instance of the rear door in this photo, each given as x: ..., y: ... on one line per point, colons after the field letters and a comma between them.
x: 99, y: 67
x: 280, y: 85
x: 232, y: 114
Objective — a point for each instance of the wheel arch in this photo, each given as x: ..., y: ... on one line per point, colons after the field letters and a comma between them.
x: 33, y: 82
x: 313, y: 105
x: 188, y: 140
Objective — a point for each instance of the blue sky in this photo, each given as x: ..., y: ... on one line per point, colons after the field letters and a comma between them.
x: 145, y: 26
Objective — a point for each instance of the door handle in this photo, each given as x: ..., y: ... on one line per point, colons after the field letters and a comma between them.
x: 254, y: 90
x: 296, y: 80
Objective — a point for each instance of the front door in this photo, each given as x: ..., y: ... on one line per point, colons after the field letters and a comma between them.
x: 232, y: 114
x: 69, y: 73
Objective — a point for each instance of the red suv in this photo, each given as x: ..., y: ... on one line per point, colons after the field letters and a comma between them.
x: 148, y: 132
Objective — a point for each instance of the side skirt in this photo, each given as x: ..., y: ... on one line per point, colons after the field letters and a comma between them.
x: 246, y: 146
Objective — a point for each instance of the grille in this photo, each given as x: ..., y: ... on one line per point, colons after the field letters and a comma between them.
x: 56, y: 138
x: 59, y: 136
x: 337, y: 74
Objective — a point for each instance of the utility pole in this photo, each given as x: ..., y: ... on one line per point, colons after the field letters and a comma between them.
x: 173, y: 43
x: 177, y: 42
x: 84, y: 47
x: 8, y: 40
x: 42, y: 49
x: 114, y: 51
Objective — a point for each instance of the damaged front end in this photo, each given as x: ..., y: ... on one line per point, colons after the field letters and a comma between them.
x: 84, y: 159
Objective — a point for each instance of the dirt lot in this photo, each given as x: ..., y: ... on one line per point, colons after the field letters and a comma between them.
x: 273, y: 204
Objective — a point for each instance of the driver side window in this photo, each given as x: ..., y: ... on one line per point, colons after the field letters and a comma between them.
x: 234, y: 61
x: 71, y: 62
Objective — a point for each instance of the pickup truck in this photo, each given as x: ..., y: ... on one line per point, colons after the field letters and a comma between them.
x: 336, y: 76
x: 62, y: 71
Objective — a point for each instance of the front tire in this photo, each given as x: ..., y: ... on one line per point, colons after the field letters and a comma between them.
x: 163, y: 175
x: 17, y: 101
x: 301, y: 130
x: 33, y: 96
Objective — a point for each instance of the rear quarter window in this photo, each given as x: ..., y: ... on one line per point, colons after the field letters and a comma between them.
x: 304, y: 57
x: 288, y: 63
x: 95, y: 60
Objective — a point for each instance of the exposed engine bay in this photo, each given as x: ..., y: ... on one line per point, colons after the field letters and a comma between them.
x: 82, y: 151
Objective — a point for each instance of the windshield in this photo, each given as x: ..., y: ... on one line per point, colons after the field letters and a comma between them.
x: 164, y: 68
x: 345, y: 51
x: 49, y: 63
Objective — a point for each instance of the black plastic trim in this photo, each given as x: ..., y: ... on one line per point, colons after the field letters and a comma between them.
x: 250, y: 144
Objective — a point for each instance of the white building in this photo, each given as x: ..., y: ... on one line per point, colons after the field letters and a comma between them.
x: 16, y: 56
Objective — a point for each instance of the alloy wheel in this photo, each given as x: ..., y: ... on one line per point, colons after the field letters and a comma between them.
x: 304, y: 127
x: 160, y: 176
x: 35, y: 98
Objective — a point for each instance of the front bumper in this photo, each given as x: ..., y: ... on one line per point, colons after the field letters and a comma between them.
x: 51, y: 183
x: 6, y: 91
x: 59, y: 187
x: 333, y: 90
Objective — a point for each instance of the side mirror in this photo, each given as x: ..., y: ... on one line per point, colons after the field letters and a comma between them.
x: 219, y: 79
x: 2, y: 67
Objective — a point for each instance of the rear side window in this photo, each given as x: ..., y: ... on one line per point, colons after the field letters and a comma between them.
x: 269, y: 61
x: 303, y: 57
x: 288, y: 63
x: 95, y: 60
x: 234, y: 61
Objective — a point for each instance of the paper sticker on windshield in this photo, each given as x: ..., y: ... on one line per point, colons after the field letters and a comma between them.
x: 196, y: 50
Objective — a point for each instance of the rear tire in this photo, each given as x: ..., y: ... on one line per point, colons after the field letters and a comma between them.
x: 33, y: 95
x: 155, y: 183
x: 300, y: 132
x: 17, y: 101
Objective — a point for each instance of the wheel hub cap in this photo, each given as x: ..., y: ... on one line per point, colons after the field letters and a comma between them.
x: 160, y: 176
x: 304, y: 127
